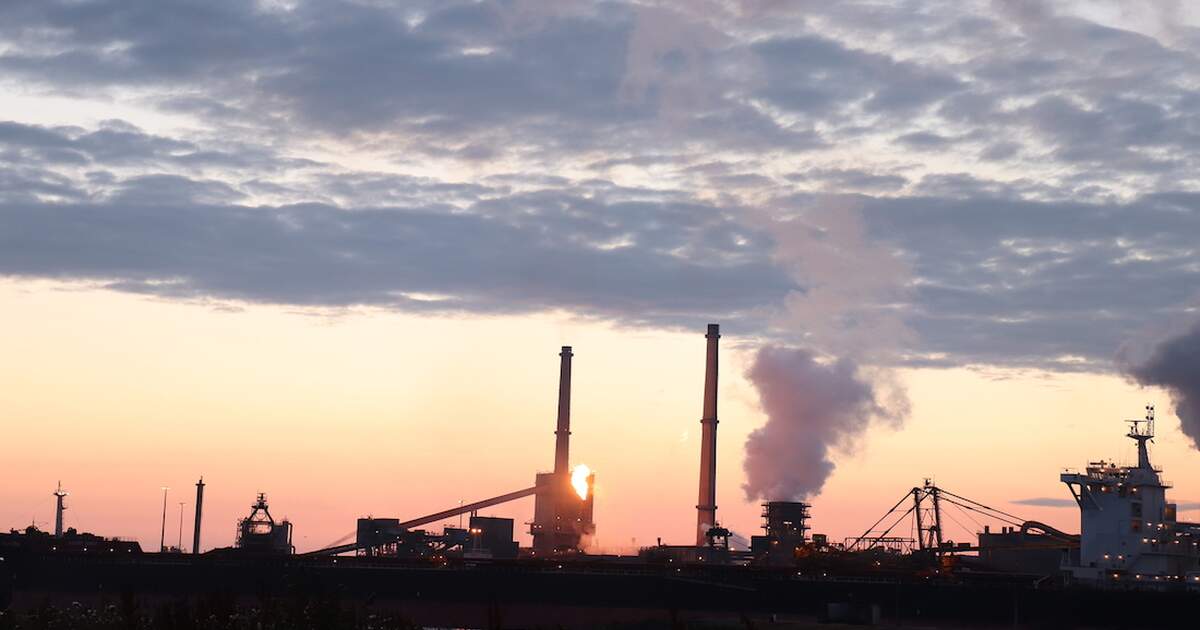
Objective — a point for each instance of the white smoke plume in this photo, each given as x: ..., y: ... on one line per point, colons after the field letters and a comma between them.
x: 813, y: 408
x: 820, y: 398
x: 850, y: 283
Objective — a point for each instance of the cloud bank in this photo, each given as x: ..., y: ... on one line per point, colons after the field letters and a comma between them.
x: 1012, y: 173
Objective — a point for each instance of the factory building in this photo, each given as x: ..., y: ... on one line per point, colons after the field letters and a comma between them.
x: 563, y: 510
x: 785, y: 525
x: 563, y: 500
x: 1033, y: 548
x: 384, y: 537
x: 485, y: 537
x: 562, y: 516
x: 260, y: 532
x: 491, y: 537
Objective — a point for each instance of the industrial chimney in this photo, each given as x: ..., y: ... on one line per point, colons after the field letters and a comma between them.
x: 59, y: 495
x: 706, y: 507
x: 562, y: 442
x: 561, y: 518
x: 199, y: 508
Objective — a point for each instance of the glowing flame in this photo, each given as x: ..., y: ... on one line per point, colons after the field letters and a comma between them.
x: 579, y: 480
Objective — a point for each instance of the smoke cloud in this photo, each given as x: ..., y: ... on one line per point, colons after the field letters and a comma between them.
x: 822, y: 395
x: 813, y: 408
x: 1174, y: 364
x: 850, y: 282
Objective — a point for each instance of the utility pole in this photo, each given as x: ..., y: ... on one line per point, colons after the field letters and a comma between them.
x: 937, y: 515
x: 162, y: 537
x: 916, y: 494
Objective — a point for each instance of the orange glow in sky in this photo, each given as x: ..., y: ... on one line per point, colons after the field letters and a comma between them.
x: 337, y: 415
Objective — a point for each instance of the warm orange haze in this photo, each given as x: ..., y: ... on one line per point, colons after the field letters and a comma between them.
x: 337, y: 415
x: 529, y: 313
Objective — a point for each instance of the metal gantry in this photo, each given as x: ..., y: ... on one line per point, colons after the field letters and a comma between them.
x: 925, y: 507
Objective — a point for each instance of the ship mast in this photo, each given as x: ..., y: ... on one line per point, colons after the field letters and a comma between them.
x: 1142, y: 431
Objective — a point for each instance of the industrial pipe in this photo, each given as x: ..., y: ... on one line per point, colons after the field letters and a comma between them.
x: 470, y: 507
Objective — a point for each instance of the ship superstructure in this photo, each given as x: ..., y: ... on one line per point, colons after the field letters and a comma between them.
x: 1128, y: 529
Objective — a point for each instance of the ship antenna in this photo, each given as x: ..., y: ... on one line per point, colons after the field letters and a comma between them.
x: 1142, y: 431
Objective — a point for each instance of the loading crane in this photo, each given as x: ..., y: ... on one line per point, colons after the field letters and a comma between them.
x: 925, y: 505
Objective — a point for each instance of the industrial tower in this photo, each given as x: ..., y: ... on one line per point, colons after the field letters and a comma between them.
x: 706, y: 505
x: 59, y: 495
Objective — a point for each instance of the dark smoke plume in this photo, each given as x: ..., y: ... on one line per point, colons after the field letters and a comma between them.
x: 1174, y: 364
x: 812, y: 409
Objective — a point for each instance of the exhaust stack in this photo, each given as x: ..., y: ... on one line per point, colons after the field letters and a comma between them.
x: 706, y: 507
x: 59, y: 495
x: 562, y: 442
x: 199, y: 508
x: 561, y: 518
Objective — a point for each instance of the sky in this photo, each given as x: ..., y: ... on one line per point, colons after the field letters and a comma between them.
x: 329, y: 250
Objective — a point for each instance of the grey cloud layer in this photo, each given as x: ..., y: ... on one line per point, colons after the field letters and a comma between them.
x: 997, y: 280
x: 1034, y: 170
x: 477, y: 79
x: 516, y: 253
x: 1003, y: 280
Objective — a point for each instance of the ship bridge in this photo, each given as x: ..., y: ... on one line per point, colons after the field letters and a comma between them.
x: 1128, y: 530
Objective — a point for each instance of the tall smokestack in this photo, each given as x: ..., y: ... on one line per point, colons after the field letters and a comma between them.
x: 706, y: 506
x: 199, y: 509
x: 58, y: 510
x: 562, y: 442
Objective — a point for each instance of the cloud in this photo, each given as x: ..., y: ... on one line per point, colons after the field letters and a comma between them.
x: 817, y: 76
x: 641, y: 262
x: 1046, y: 502
x: 822, y: 397
x: 995, y: 279
x: 118, y: 143
x: 851, y: 180
x: 969, y: 275
x: 1004, y: 280
x: 1011, y: 191
x: 924, y: 140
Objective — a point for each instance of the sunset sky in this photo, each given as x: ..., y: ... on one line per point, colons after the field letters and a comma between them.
x: 329, y: 250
